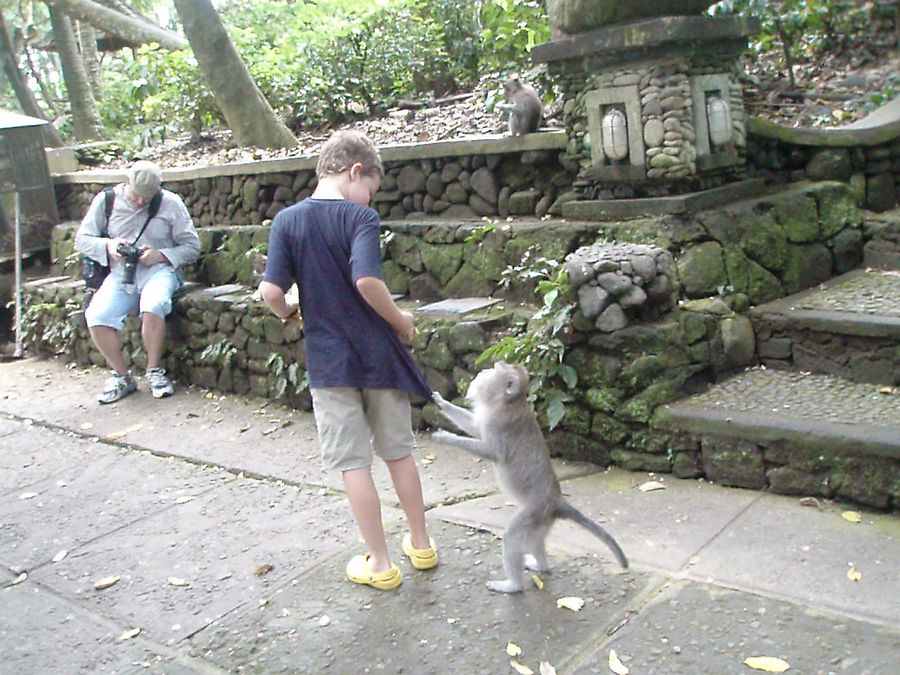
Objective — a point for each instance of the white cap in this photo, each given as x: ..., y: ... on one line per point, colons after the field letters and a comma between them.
x: 145, y: 179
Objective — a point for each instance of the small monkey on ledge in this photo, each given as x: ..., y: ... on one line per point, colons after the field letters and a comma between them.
x: 503, y: 428
x: 525, y: 109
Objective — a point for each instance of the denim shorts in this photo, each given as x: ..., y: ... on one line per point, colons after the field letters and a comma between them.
x: 113, y: 302
x: 356, y: 424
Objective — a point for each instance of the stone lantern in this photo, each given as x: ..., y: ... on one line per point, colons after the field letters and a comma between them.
x: 652, y: 100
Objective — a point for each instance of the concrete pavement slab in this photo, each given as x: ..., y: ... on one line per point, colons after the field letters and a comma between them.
x: 698, y: 628
x: 90, y: 500
x: 225, y: 547
x: 30, y: 454
x: 253, y: 436
x: 438, y: 621
x: 659, y: 529
x: 42, y: 633
x: 778, y: 547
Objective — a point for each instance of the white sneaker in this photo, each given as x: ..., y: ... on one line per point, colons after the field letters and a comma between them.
x: 117, y: 386
x: 159, y: 383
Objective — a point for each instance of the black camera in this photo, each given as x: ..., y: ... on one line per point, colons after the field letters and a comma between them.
x: 131, y: 255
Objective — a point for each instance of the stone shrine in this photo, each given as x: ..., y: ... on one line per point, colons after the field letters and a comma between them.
x: 652, y: 105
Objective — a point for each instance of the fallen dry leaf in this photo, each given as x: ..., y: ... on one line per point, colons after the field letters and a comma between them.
x: 537, y: 582
x: 852, y: 516
x: 19, y: 579
x: 651, y: 485
x: 513, y: 649
x: 570, y: 602
x: 615, y: 664
x: 324, y: 620
x: 854, y: 574
x: 184, y: 499
x: 546, y: 668
x: 892, y: 391
x: 263, y: 569
x: 769, y: 664
x: 128, y: 634
x: 811, y: 501
x: 59, y: 556
x: 119, y: 434
x: 106, y: 582
x: 28, y: 495
x: 177, y: 581
x: 519, y: 668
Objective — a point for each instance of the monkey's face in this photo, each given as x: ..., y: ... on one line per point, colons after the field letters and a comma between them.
x: 499, y: 385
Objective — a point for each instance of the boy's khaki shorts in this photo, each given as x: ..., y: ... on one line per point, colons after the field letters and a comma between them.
x: 356, y: 424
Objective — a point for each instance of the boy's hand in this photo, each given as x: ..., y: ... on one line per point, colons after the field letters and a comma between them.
x: 405, y: 328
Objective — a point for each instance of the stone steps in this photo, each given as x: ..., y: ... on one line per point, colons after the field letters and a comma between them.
x: 821, y: 414
x: 849, y: 327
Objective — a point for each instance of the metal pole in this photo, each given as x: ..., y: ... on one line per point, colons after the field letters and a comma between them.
x: 18, y: 352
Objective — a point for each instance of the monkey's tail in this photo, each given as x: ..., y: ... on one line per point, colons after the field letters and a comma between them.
x: 566, y: 510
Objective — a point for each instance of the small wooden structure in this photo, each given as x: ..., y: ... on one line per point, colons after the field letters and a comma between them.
x: 26, y: 196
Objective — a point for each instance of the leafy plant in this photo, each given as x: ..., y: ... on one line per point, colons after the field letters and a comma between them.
x: 537, y: 344
x: 286, y: 374
x: 510, y: 29
x: 219, y: 353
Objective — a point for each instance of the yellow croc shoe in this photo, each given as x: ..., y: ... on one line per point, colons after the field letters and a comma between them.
x: 421, y: 558
x: 358, y: 572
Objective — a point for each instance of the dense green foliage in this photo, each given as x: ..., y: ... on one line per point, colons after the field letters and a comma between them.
x: 321, y: 63
x: 805, y: 30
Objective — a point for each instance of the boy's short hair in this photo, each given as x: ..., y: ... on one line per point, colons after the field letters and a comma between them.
x: 346, y: 148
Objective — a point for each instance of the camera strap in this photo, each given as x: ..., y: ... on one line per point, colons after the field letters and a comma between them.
x: 109, y: 195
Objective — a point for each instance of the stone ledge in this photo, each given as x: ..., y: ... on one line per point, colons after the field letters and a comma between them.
x: 739, y: 408
x: 653, y: 34
x: 477, y: 145
x: 882, y: 126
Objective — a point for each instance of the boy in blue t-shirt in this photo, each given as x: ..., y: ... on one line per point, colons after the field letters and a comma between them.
x: 360, y: 372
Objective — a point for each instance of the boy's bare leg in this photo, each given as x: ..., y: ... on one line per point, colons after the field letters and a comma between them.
x: 408, y: 486
x: 366, y: 507
x: 109, y: 344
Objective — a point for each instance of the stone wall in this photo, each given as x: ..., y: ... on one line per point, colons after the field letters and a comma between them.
x: 497, y: 177
x: 865, y: 154
x: 686, y: 333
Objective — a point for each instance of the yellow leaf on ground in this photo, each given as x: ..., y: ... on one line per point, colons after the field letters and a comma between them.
x: 852, y: 516
x: 537, y: 582
x: 547, y: 668
x: 519, y: 668
x: 119, y: 434
x: 513, y: 649
x: 615, y: 664
x: 128, y: 634
x: 570, y: 602
x: 177, y: 581
x: 651, y: 485
x: 769, y: 664
x: 106, y: 582
x: 854, y: 574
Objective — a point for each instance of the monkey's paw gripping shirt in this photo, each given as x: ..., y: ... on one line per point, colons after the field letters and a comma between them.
x: 325, y: 246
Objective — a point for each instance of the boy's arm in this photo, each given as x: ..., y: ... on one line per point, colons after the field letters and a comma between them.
x: 376, y: 293
x: 275, y: 300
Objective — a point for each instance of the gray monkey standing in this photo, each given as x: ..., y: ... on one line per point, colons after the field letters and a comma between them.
x: 503, y: 428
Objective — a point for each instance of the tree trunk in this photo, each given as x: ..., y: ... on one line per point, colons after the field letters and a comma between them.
x: 248, y: 114
x: 20, y: 87
x: 85, y: 118
x: 87, y: 40
x: 134, y: 29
